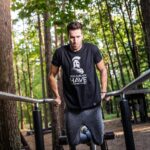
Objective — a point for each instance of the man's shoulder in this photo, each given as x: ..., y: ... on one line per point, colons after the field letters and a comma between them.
x: 62, y: 48
x: 90, y: 45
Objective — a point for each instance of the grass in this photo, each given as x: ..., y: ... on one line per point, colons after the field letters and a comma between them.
x: 110, y: 116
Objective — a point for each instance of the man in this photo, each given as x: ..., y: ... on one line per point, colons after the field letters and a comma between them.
x: 81, y: 87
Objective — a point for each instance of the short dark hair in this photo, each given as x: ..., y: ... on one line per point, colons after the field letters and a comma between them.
x: 73, y: 26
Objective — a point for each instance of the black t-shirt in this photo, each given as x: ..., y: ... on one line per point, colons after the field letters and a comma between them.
x: 80, y: 83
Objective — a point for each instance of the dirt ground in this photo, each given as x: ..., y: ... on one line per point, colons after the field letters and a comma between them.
x: 141, y: 133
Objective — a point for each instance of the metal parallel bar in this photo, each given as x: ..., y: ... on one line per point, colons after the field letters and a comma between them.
x: 140, y: 79
x: 48, y: 100
x: 138, y: 91
x: 13, y: 97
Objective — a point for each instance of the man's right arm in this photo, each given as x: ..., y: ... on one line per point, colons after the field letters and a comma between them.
x: 53, y: 83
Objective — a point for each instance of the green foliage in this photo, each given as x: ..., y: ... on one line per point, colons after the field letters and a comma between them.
x: 110, y: 116
x: 94, y: 16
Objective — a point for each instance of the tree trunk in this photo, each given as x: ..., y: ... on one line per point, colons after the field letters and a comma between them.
x: 26, y: 94
x: 147, y: 48
x: 29, y: 76
x: 19, y: 93
x: 42, y: 71
x: 54, y: 111
x: 29, y: 106
x: 125, y: 49
x: 134, y: 50
x: 9, y: 131
x: 145, y: 7
x: 128, y: 73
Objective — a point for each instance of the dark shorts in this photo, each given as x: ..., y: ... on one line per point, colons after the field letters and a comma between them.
x: 92, y: 118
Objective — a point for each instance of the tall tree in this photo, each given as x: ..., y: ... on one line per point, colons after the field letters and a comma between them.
x: 142, y: 23
x: 134, y: 50
x: 53, y: 109
x: 9, y: 131
x: 19, y: 92
x: 26, y: 93
x: 145, y: 7
x: 42, y: 70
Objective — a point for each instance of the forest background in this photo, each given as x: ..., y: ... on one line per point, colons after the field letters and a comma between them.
x: 116, y: 27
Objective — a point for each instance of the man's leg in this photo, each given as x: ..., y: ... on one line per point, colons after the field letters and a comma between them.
x: 73, y: 123
x: 94, y: 122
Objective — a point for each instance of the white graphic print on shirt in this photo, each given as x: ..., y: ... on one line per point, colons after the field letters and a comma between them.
x: 79, y: 77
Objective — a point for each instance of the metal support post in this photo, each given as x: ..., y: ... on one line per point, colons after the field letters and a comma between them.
x: 126, y: 122
x: 39, y: 140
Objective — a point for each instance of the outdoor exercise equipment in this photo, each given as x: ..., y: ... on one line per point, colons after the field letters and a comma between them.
x: 129, y: 141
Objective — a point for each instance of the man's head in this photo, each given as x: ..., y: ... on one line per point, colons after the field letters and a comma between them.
x: 75, y: 35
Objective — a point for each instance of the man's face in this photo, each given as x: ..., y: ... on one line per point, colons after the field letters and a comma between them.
x: 75, y: 39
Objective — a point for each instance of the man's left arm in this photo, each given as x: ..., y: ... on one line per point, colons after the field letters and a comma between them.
x: 103, y: 71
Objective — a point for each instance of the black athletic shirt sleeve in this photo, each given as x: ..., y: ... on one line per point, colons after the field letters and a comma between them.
x: 97, y: 55
x: 56, y: 60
